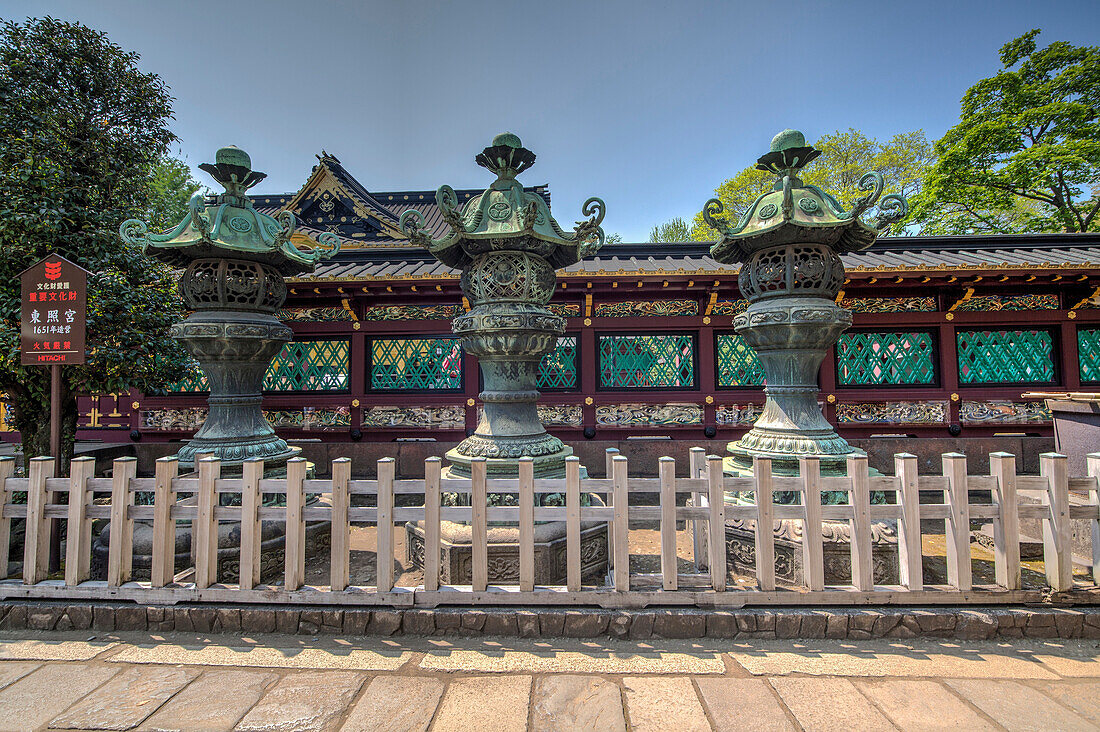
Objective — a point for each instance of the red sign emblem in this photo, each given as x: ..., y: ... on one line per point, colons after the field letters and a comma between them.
x: 53, y: 270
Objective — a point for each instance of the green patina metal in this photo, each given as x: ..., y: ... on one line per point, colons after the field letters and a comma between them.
x: 416, y: 364
x: 647, y: 361
x: 234, y: 259
x: 789, y: 243
x: 508, y: 246
x: 558, y: 369
x: 738, y: 364
x: 1088, y: 354
x: 882, y: 359
x: 1005, y: 356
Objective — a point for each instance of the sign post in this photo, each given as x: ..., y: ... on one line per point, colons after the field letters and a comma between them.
x: 53, y: 330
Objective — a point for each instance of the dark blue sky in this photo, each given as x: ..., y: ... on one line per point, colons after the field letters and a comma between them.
x: 649, y: 105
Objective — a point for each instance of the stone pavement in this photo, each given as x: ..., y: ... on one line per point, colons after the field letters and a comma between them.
x: 148, y: 681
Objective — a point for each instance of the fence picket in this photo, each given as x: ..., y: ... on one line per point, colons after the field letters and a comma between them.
x: 384, y: 555
x: 78, y: 536
x: 36, y: 540
x: 813, y: 560
x: 716, y: 545
x: 294, y: 559
x: 7, y: 470
x: 860, y: 523
x: 120, y: 551
x: 1093, y: 466
x: 573, y: 523
x: 432, y: 471
x: 609, y: 469
x: 527, y: 524
x: 620, y: 528
x: 205, y: 526
x: 910, y: 547
x: 252, y: 472
x: 1057, y: 530
x: 959, y: 573
x: 162, y: 562
x: 1006, y: 526
x: 340, y: 543
x: 666, y: 470
x: 697, y: 468
x: 764, y: 536
x: 479, y: 546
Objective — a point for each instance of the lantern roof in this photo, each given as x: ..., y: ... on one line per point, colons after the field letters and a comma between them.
x: 228, y: 225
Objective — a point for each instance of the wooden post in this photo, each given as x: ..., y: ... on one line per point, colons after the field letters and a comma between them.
x: 697, y: 468
x: 36, y: 540
x: 863, y: 576
x: 386, y: 469
x: 340, y: 529
x: 7, y: 469
x: 764, y: 537
x: 294, y: 561
x: 666, y: 470
x: 479, y: 540
x: 959, y: 573
x: 1006, y: 527
x: 813, y: 549
x: 54, y: 533
x: 620, y: 528
x: 252, y: 472
x: 432, y: 470
x: 609, y: 469
x: 1093, y: 467
x: 573, y: 523
x: 120, y: 552
x: 716, y: 545
x: 205, y: 527
x: 527, y: 524
x: 910, y: 546
x: 78, y: 540
x: 1057, y: 531
x: 162, y: 567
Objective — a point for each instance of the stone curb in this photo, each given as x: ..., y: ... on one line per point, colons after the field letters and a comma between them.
x: 838, y: 623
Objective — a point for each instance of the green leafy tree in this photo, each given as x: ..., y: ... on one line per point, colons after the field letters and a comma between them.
x: 673, y: 231
x: 170, y: 187
x: 614, y: 238
x: 845, y: 156
x: 81, y: 132
x: 1025, y: 155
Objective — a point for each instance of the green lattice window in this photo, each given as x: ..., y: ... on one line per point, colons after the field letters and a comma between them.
x: 737, y: 362
x: 1005, y: 356
x: 1088, y: 354
x: 195, y: 381
x: 874, y: 359
x: 647, y: 361
x: 416, y: 364
x: 558, y: 369
x: 309, y: 366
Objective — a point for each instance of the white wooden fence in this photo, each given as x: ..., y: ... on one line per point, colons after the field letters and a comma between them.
x: 705, y: 509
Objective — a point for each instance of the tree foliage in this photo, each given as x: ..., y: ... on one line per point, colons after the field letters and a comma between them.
x: 671, y: 231
x: 82, y: 133
x: 170, y: 187
x: 1025, y: 155
x: 845, y: 158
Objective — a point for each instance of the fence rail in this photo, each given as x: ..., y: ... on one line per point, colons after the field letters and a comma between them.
x: 705, y: 511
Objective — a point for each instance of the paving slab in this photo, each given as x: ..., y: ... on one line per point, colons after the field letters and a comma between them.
x: 304, y: 702
x: 1019, y: 708
x: 263, y: 657
x: 921, y: 704
x: 1082, y: 697
x: 215, y: 701
x: 656, y: 704
x: 126, y: 700
x: 41, y: 695
x: 52, y: 650
x: 882, y: 659
x: 490, y: 703
x: 577, y: 703
x: 829, y: 705
x: 573, y: 662
x: 1071, y: 665
x: 743, y: 705
x: 12, y: 671
x: 396, y: 704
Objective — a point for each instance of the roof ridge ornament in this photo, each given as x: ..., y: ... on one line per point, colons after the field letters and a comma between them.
x: 227, y: 224
x: 505, y: 211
